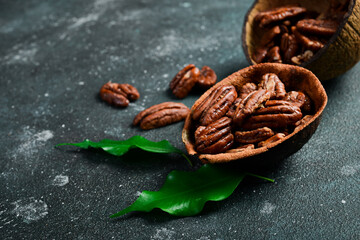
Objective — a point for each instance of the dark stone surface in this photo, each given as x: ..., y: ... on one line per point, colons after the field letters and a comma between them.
x: 54, y: 57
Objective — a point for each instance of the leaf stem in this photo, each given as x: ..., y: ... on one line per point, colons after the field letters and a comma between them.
x: 187, y: 159
x: 261, y: 177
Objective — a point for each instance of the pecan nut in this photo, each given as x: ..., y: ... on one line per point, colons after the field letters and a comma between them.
x: 311, y: 43
x: 273, y: 84
x: 273, y: 55
x: 288, y: 46
x: 215, y: 137
x: 161, y: 115
x: 299, y: 99
x: 249, y: 104
x: 118, y: 95
x: 207, y: 77
x: 215, y: 105
x: 273, y: 116
x: 253, y: 136
x: 184, y: 81
x: 241, y: 148
x: 326, y: 27
x: 272, y: 139
x: 278, y: 14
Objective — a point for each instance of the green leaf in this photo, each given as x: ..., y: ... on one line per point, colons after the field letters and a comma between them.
x: 119, y: 148
x: 185, y: 193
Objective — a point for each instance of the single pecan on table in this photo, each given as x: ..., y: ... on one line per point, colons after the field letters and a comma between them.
x: 188, y: 77
x: 254, y: 115
x: 291, y: 31
x: 117, y: 94
x: 161, y: 115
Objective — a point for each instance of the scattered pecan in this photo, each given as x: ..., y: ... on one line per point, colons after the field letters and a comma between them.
x: 272, y: 139
x: 274, y: 116
x: 215, y: 105
x: 249, y: 104
x: 288, y: 46
x: 312, y: 43
x: 273, y: 55
x: 117, y: 94
x: 207, y: 77
x: 161, y: 115
x: 214, y: 138
x: 241, y: 148
x: 299, y: 99
x: 326, y: 27
x: 184, y: 81
x: 278, y: 14
x: 253, y: 136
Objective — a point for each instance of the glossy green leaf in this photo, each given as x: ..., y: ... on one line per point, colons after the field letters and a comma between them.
x: 119, y: 148
x: 185, y: 193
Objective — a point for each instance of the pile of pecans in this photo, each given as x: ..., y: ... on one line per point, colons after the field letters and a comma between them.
x: 255, y: 115
x: 293, y: 34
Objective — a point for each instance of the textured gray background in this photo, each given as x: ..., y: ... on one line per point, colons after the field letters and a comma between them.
x: 54, y: 57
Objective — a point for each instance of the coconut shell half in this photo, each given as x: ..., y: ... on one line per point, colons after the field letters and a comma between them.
x: 294, y: 78
x: 339, y: 54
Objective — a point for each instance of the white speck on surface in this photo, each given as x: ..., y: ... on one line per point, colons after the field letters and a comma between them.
x: 60, y: 180
x: 31, y: 141
x: 30, y: 209
x: 165, y: 75
x: 24, y: 55
x: 138, y: 193
x: 343, y: 201
x: 186, y: 4
x: 78, y: 22
x: 268, y: 208
x: 46, y: 94
x: 163, y: 234
x: 81, y: 83
x: 349, y: 170
x: 136, y: 107
x: 63, y: 125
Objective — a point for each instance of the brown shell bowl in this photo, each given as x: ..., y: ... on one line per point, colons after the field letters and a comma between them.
x: 338, y: 55
x: 295, y: 78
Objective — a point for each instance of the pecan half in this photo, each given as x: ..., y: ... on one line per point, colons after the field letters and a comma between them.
x: 317, y: 27
x: 299, y: 59
x: 246, y: 89
x: 249, y: 104
x: 215, y: 105
x: 311, y: 43
x: 299, y: 99
x: 117, y: 94
x: 241, y: 148
x: 184, y: 81
x: 288, y: 46
x: 273, y: 55
x: 278, y: 14
x: 214, y: 138
x: 253, y: 136
x: 273, y: 84
x: 161, y: 115
x: 273, y: 116
x: 207, y: 77
x: 272, y: 139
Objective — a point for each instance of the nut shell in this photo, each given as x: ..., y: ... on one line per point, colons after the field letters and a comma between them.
x: 338, y: 55
x: 293, y: 77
